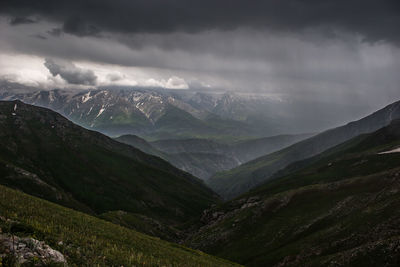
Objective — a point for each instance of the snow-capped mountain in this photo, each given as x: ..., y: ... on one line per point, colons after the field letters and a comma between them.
x: 153, y: 112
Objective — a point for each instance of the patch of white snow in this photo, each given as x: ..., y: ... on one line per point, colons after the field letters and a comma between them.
x: 90, y: 110
x: 100, y: 111
x: 396, y: 150
x: 86, y: 97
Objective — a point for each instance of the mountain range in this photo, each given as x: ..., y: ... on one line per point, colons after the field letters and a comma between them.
x: 155, y: 113
x: 194, y: 119
x: 332, y: 199
x: 233, y: 182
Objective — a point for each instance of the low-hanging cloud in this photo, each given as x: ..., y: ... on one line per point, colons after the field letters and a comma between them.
x: 21, y: 20
x: 115, y: 76
x: 70, y: 73
x: 173, y: 82
x: 375, y: 20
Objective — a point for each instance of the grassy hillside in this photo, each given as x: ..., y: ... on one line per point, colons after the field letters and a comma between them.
x: 341, y: 208
x: 44, y: 154
x: 88, y: 241
x: 241, y: 179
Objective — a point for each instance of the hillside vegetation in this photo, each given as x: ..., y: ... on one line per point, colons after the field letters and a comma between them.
x: 44, y: 154
x: 241, y: 179
x: 88, y: 241
x: 340, y: 208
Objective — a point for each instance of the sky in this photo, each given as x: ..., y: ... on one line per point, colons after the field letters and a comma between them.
x: 334, y: 51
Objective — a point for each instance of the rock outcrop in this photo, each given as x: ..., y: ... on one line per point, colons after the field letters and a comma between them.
x: 27, y: 250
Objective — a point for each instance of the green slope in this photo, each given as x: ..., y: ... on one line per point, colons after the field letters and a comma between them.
x: 44, y: 154
x: 241, y: 179
x: 341, y: 208
x: 88, y: 241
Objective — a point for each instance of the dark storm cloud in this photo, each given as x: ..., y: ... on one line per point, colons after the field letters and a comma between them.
x: 375, y: 20
x: 70, y: 73
x: 21, y: 20
x: 305, y: 49
x: 39, y: 36
x: 77, y: 26
x: 55, y: 32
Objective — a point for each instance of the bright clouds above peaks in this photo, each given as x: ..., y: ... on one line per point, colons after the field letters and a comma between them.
x: 74, y: 75
x: 70, y: 73
x: 172, y: 83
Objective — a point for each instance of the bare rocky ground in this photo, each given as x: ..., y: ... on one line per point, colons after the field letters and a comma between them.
x: 27, y: 251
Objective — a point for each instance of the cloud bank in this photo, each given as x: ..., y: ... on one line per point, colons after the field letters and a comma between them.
x: 71, y: 73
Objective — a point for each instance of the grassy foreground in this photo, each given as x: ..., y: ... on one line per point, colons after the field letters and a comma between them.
x: 89, y: 241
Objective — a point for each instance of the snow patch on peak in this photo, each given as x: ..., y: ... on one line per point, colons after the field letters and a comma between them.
x: 101, y: 111
x: 90, y: 110
x: 86, y: 97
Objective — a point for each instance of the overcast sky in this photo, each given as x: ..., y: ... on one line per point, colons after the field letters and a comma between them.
x: 326, y: 50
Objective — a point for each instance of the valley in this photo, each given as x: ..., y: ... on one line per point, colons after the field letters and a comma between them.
x: 239, y: 180
x: 318, y: 199
x: 340, y: 207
